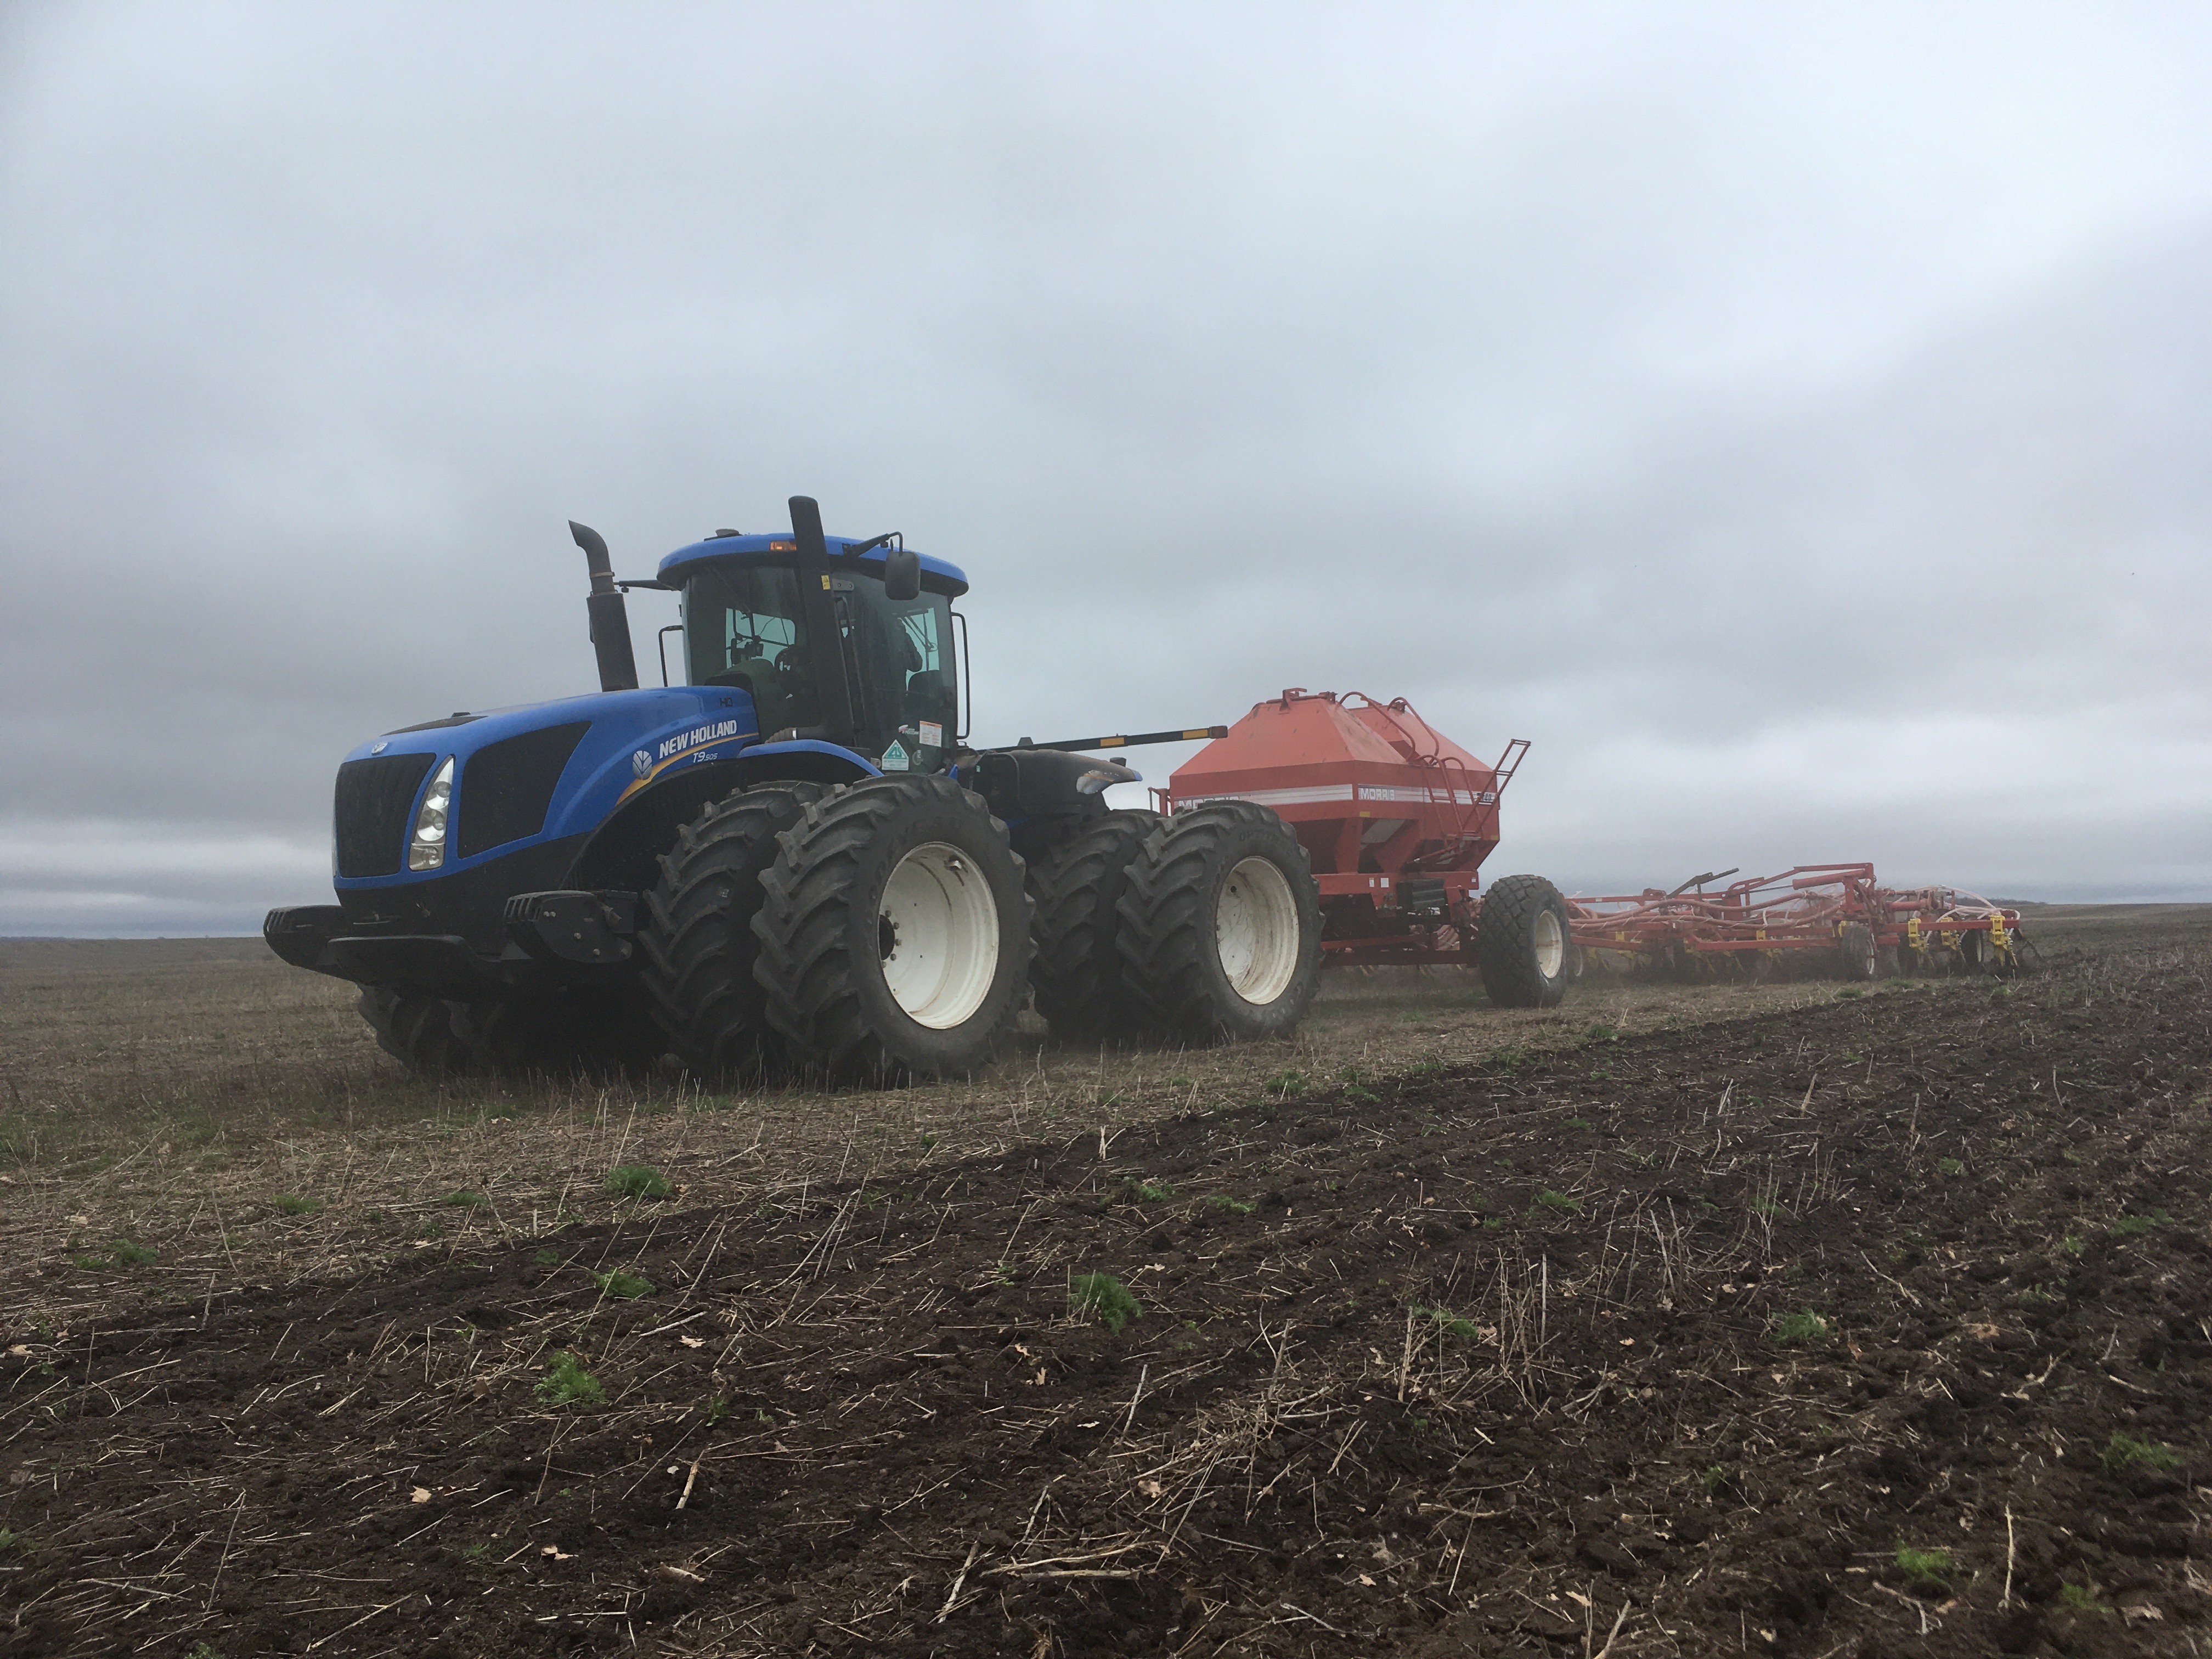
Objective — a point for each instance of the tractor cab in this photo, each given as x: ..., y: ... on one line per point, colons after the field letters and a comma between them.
x: 854, y: 646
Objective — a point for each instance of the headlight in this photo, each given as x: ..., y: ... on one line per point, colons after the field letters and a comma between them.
x: 426, y: 850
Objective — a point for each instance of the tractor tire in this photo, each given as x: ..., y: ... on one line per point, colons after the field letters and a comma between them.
x: 894, y: 932
x: 697, y: 945
x: 415, y: 1029
x: 594, y: 1031
x: 1221, y: 926
x: 1856, y: 954
x: 1888, y: 961
x: 1077, y: 891
x: 1522, y: 946
x: 1975, y: 955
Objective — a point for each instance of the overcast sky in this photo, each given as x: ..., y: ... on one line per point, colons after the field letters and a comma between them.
x: 1793, y: 420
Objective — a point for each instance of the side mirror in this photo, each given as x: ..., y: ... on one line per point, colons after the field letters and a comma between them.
x: 902, y: 574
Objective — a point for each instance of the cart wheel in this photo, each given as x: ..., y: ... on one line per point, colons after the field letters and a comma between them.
x: 1523, y: 947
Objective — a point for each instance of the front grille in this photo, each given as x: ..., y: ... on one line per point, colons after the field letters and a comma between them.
x: 373, y: 800
x: 505, y: 787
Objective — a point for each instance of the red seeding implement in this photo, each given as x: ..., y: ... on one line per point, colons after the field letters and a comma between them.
x: 1868, y: 930
x: 1395, y: 819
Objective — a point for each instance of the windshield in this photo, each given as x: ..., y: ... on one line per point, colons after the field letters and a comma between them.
x: 744, y: 627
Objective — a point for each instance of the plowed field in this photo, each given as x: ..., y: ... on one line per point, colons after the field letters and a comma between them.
x: 1876, y: 1324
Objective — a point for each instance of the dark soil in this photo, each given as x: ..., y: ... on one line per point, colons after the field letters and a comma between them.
x: 1657, y: 1346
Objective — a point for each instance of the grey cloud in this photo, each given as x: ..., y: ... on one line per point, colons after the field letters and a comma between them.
x: 1684, y: 396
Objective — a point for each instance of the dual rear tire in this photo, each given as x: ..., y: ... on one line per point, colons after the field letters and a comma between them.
x: 1194, y: 928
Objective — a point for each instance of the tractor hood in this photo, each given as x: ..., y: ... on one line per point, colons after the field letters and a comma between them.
x: 538, y: 773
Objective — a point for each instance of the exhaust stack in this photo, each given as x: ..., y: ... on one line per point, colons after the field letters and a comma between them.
x: 610, y: 614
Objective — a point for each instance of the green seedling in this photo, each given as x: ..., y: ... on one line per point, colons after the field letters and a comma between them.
x: 2073, y: 1243
x: 548, y: 1258
x: 2134, y: 1226
x: 623, y: 1286
x: 1360, y: 1096
x: 1950, y: 1166
x: 2071, y: 1156
x: 478, y: 1551
x: 1179, y: 1082
x: 1715, y: 1477
x: 1451, y: 1323
x: 928, y: 1143
x: 637, y: 1181
x: 1577, y: 1123
x: 1850, y: 996
x: 292, y: 1205
x: 462, y: 1199
x: 1560, y: 1202
x: 1925, y: 1569
x: 1284, y: 1084
x: 1425, y: 1068
x: 1494, y: 1222
x: 2123, y: 1452
x: 1149, y: 1192
x: 568, y: 1383
x: 1104, y: 1296
x: 2080, y: 1596
x: 1511, y: 1058
x: 1234, y: 1205
x: 201, y: 1650
x: 717, y: 1409
x: 1599, y: 1033
x: 1796, y: 1330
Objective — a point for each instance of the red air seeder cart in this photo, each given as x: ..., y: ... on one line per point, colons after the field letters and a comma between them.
x: 1397, y: 819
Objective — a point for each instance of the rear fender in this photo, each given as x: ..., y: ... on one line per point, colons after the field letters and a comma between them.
x: 624, y: 852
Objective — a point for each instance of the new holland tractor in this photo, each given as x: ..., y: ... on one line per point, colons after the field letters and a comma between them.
x: 791, y: 862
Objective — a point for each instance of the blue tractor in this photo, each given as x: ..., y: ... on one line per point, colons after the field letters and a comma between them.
x: 791, y: 862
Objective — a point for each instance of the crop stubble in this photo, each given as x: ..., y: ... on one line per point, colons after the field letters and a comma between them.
x: 1494, y: 1361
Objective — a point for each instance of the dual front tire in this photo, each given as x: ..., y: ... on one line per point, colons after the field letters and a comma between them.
x: 588, y: 1031
x: 868, y: 933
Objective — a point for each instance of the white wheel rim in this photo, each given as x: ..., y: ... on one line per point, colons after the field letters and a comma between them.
x: 1255, y: 928
x: 938, y: 936
x: 1551, y: 945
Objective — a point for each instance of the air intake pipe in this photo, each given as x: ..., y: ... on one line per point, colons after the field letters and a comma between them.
x: 610, y: 614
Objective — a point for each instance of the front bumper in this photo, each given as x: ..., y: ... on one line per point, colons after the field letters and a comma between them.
x: 552, y: 940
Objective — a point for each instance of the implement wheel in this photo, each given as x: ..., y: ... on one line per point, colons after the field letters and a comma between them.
x: 894, y: 932
x: 697, y: 943
x: 1856, y: 951
x: 1523, y: 947
x: 1077, y: 889
x: 559, y: 1034
x: 1221, y: 926
x: 415, y: 1029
